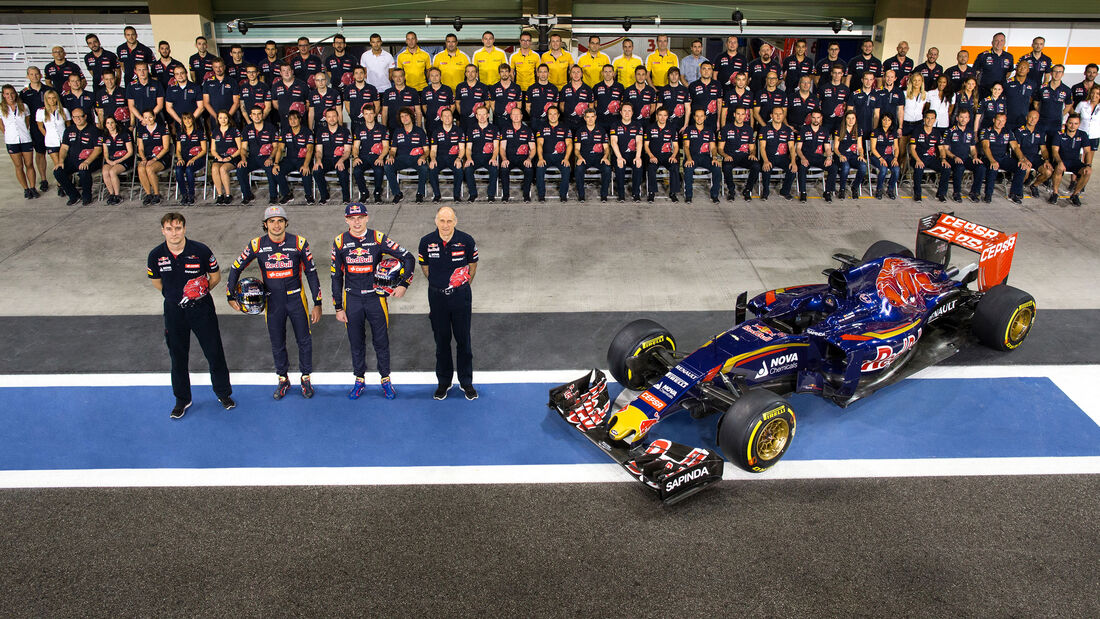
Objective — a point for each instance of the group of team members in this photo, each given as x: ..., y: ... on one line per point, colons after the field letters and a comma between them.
x: 550, y: 115
x: 368, y: 267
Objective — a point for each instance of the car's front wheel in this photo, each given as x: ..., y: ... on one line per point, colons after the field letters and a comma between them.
x: 757, y: 430
x: 630, y: 348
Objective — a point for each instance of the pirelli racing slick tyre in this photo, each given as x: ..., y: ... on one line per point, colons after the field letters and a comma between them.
x: 757, y: 430
x: 885, y: 248
x: 632, y: 341
x: 1003, y: 317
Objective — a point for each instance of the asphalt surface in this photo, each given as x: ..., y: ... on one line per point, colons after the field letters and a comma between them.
x: 550, y: 341
x: 1020, y: 546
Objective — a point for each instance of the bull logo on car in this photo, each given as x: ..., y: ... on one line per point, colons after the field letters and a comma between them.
x: 903, y: 285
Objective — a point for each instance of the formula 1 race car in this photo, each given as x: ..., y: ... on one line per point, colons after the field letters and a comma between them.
x: 876, y: 320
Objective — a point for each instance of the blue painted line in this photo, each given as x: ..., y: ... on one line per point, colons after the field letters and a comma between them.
x: 128, y: 427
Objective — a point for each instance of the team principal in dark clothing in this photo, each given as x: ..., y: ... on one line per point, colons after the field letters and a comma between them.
x: 448, y: 257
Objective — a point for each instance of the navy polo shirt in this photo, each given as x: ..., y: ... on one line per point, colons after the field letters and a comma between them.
x: 393, y: 100
x: 144, y: 95
x: 443, y: 257
x: 221, y: 92
x: 175, y: 270
x: 184, y: 98
x: 1052, y: 102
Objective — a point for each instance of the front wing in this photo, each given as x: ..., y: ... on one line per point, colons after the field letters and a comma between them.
x: 671, y: 470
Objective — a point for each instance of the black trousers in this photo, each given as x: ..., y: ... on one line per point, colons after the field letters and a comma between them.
x: 64, y: 177
x: 637, y: 175
x: 343, y: 176
x: 664, y: 161
x: 446, y: 162
x: 200, y: 319
x: 780, y: 163
x: 741, y: 161
x: 605, y: 175
x: 506, y: 177
x: 450, y: 317
x: 288, y: 165
x: 292, y: 305
x: 256, y: 164
x: 359, y: 174
x: 361, y: 310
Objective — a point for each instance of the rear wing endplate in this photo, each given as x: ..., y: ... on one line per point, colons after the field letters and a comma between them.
x: 937, y: 233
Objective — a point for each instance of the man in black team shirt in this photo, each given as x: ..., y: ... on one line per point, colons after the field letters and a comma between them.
x: 185, y: 271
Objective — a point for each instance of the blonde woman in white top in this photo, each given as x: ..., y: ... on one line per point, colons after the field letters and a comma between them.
x: 52, y: 120
x: 913, y: 115
x: 1089, y: 109
x: 15, y: 123
x: 940, y: 101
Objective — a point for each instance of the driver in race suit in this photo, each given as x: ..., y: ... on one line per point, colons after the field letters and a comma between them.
x: 355, y: 255
x: 282, y: 259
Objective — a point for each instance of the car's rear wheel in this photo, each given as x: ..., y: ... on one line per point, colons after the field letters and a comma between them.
x: 757, y: 430
x: 629, y: 349
x: 886, y: 248
x: 1003, y: 317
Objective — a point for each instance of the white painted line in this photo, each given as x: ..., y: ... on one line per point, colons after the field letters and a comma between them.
x: 163, y: 379
x: 531, y: 474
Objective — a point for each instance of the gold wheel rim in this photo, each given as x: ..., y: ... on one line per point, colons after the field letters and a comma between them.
x: 1020, y: 324
x: 773, y: 438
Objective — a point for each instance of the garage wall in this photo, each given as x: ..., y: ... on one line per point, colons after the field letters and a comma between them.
x: 1074, y: 44
x: 28, y: 39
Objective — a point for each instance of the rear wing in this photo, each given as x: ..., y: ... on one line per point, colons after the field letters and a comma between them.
x: 937, y: 233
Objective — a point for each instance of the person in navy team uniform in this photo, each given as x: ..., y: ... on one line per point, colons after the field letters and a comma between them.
x: 554, y: 143
x: 99, y: 61
x: 448, y: 257
x: 814, y: 149
x: 399, y: 96
x: 483, y: 153
x: 295, y: 154
x: 201, y: 62
x: 448, y: 148
x: 220, y: 92
x: 1053, y: 100
x: 332, y: 154
x: 191, y: 151
x: 185, y: 271
x: 1071, y: 153
x: 358, y: 95
x: 699, y: 146
x: 283, y: 258
x: 506, y: 96
x: 254, y: 92
x: 593, y: 150
x: 435, y: 98
x: 996, y: 142
x: 927, y: 152
x: 370, y: 149
x: 355, y: 256
x: 1030, y: 149
x: 662, y: 148
x: 517, y: 152
x: 130, y: 52
x: 962, y: 154
x: 737, y: 147
x: 627, y: 138
x: 408, y: 151
x: 184, y: 97
x: 541, y: 96
x: 864, y: 62
x: 775, y: 141
x: 576, y: 99
x: 260, y: 142
x: 80, y: 154
x: 993, y: 65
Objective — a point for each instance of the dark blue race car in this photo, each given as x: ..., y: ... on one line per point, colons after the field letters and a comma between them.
x: 875, y: 320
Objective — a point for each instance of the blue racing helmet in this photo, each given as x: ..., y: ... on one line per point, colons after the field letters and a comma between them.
x: 251, y: 295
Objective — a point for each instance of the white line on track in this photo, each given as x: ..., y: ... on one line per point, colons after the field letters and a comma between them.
x: 531, y: 474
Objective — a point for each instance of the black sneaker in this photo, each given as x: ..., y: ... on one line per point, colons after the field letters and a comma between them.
x: 34, y: 193
x: 843, y: 192
x: 650, y: 198
x: 747, y: 195
x: 878, y: 194
x: 892, y: 195
x: 323, y: 200
x: 974, y: 198
x: 148, y: 199
x: 637, y: 197
x: 490, y: 199
x: 857, y: 191
x: 72, y: 201
x: 802, y: 197
x: 396, y: 198
x: 273, y: 200
x: 619, y: 199
x: 156, y: 198
x: 957, y: 197
x: 917, y: 199
x: 307, y: 387
x: 506, y: 199
x: 828, y: 197
x: 43, y: 186
x: 438, y: 198
x: 1075, y: 200
x: 1016, y: 199
x: 469, y: 392
x: 378, y: 198
x: 419, y: 198
x: 310, y: 200
x: 179, y: 410
x: 988, y: 199
x: 1053, y: 199
x: 285, y: 199
x: 1034, y: 191
x: 674, y: 197
x: 227, y: 403
x: 441, y: 392
x: 87, y: 202
x: 788, y: 196
x: 714, y: 199
x: 60, y: 191
x: 687, y: 200
x: 282, y: 389
x: 27, y: 194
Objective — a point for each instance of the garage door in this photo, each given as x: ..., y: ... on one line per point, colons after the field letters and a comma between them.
x: 30, y: 43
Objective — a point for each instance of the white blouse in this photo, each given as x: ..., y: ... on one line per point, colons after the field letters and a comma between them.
x: 914, y: 108
x: 15, y: 127
x: 1090, y: 119
x: 941, y: 107
x: 55, y: 126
